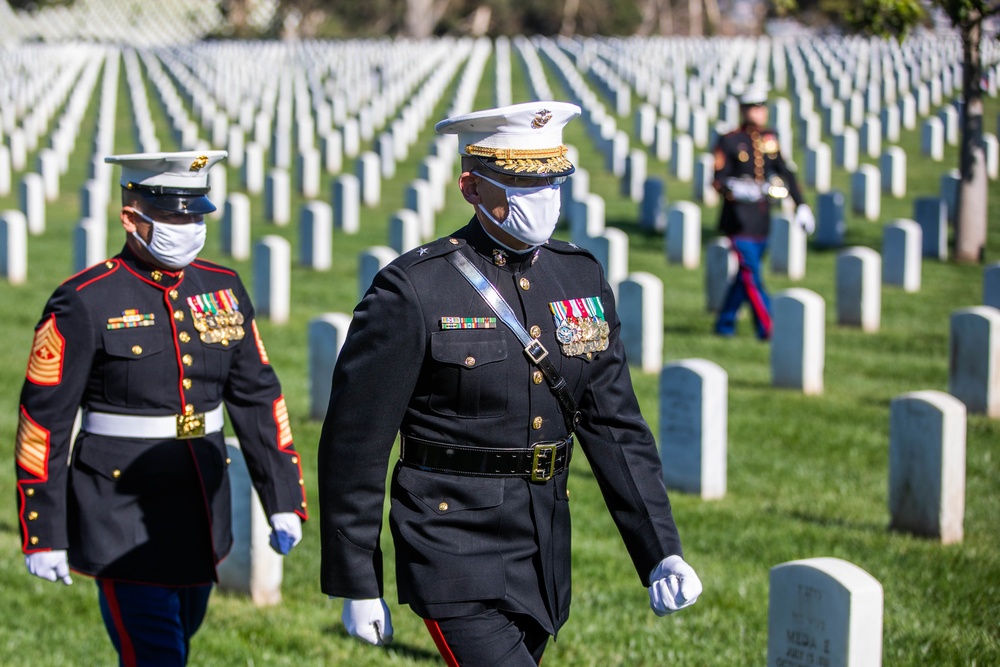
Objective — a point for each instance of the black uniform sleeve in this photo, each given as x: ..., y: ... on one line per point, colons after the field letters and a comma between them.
x: 788, y: 176
x: 256, y: 408
x: 373, y: 381
x: 56, y: 378
x: 623, y: 455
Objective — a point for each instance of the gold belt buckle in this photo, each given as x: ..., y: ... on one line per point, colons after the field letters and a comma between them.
x: 538, y: 472
x: 191, y: 426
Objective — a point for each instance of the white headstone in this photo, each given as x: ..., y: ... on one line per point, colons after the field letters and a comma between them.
x: 252, y: 567
x: 370, y: 263
x: 845, y: 149
x: 272, y: 263
x: 32, y: 199
x: 640, y: 308
x: 90, y: 243
x: 418, y: 199
x: 798, y: 340
x: 817, y: 172
x: 404, y: 231
x: 333, y: 152
x: 930, y: 213
x: 652, y: 210
x: 787, y: 241
x: 991, y: 285
x: 278, y: 197
x: 308, y: 173
x: 316, y: 235
x: 830, y: 222
x: 327, y: 333
x: 893, y: 168
x: 683, y: 238
x: 13, y: 247
x: 611, y: 250
x: 927, y: 432
x: 859, y: 288
x: 253, y: 169
x: 347, y: 203
x: 901, y: 254
x: 721, y: 266
x: 704, y: 175
x: 866, y: 196
x: 932, y: 139
x: 234, y: 228
x: 635, y: 175
x: 823, y: 611
x: 974, y: 359
x: 683, y: 158
x: 587, y: 218
x: 370, y: 178
x: 693, y: 434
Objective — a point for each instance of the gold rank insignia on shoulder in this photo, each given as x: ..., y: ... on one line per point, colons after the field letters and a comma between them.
x: 217, y: 316
x: 580, y: 326
x: 130, y: 319
x: 449, y: 323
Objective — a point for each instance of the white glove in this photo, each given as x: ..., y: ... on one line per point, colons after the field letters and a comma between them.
x: 368, y: 620
x: 51, y: 565
x: 804, y: 218
x: 673, y: 586
x: 286, y: 533
x: 744, y: 189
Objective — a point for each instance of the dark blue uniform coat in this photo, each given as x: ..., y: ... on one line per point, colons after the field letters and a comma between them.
x: 145, y: 510
x: 462, y: 542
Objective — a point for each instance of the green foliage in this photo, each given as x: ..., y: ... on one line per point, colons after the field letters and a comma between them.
x: 884, y: 18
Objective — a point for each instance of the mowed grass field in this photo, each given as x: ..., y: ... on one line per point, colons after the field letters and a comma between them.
x: 807, y: 476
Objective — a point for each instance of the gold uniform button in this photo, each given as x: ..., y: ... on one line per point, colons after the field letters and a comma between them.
x: 32, y: 516
x: 29, y: 492
x: 116, y: 473
x: 302, y: 482
x: 156, y: 275
x: 535, y: 331
x: 525, y: 284
x: 567, y: 494
x: 536, y: 377
x: 303, y: 505
x: 34, y: 540
x: 295, y: 459
x: 174, y: 294
x: 137, y: 349
x: 453, y: 241
x: 443, y: 507
x: 536, y: 423
x: 187, y: 383
x: 189, y: 409
x: 184, y: 336
x: 109, y: 264
x: 187, y: 360
x: 179, y: 315
x: 470, y: 361
x: 228, y: 460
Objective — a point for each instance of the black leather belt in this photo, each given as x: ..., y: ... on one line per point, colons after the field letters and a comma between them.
x: 539, y: 463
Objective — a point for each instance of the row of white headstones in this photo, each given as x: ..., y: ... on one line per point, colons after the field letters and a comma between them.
x: 927, y: 435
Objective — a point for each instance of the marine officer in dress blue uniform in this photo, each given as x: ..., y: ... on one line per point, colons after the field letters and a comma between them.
x: 149, y: 345
x: 751, y: 174
x: 489, y: 402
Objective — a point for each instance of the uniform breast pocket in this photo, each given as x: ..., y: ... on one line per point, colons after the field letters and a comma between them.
x: 133, y: 360
x: 468, y: 377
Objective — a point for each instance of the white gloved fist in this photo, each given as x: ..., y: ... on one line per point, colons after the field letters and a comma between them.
x: 286, y: 531
x: 804, y: 218
x: 744, y: 189
x: 673, y: 586
x: 368, y: 620
x: 50, y: 565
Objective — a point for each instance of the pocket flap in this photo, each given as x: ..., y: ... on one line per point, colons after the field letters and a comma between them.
x: 445, y: 493
x: 132, y: 343
x: 468, y: 349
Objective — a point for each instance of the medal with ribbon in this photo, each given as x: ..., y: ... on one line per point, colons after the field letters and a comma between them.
x: 217, y: 316
x: 580, y: 325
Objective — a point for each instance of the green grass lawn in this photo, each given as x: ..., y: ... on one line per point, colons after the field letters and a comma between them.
x: 807, y: 476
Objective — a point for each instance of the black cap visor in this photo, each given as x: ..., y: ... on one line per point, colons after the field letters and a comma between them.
x: 192, y: 201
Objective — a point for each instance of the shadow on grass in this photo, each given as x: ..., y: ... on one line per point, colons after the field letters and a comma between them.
x: 837, y: 522
x: 396, y: 648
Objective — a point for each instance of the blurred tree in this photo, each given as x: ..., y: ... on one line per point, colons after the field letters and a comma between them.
x: 896, y: 18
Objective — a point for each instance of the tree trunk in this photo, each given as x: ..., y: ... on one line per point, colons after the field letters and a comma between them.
x: 666, y: 17
x: 422, y: 16
x: 714, y: 16
x: 696, y: 24
x: 971, y: 213
x: 570, y: 11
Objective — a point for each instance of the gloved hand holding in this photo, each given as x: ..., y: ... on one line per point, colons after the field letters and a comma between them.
x: 286, y: 531
x: 804, y: 218
x: 51, y: 565
x: 744, y: 189
x: 673, y: 586
x: 368, y: 620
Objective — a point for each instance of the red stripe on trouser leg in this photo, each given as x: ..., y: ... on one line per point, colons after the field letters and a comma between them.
x: 127, y: 650
x: 756, y: 301
x: 441, y: 643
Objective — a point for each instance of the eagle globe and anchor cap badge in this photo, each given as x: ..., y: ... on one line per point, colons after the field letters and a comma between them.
x: 175, y: 182
x: 523, y: 140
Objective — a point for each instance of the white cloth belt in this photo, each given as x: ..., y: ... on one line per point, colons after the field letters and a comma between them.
x: 167, y: 426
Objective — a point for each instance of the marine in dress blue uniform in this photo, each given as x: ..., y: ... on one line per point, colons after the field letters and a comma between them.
x: 150, y: 353
x: 751, y: 174
x: 479, y: 503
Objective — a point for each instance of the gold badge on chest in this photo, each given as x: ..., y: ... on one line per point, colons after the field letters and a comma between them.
x: 217, y: 316
x: 580, y: 326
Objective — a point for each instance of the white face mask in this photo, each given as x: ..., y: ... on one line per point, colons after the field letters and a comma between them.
x: 173, y: 246
x: 532, y: 213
